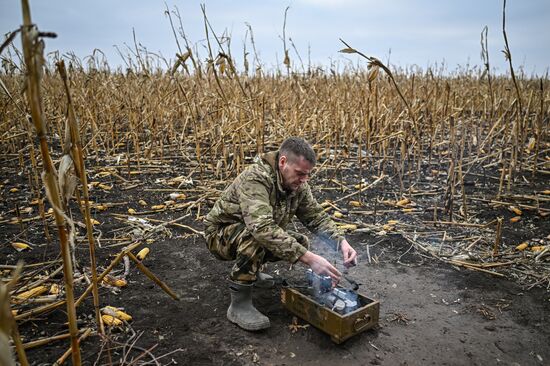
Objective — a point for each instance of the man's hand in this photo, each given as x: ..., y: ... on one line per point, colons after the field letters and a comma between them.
x: 321, y: 266
x: 350, y: 255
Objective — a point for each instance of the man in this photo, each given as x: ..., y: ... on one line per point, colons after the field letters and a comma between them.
x: 248, y: 224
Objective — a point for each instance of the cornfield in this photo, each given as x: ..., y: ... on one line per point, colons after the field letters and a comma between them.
x: 81, y: 142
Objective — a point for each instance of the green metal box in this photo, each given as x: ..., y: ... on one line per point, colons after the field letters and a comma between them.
x: 339, y: 327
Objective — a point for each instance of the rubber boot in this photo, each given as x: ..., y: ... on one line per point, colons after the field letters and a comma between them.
x: 242, y: 312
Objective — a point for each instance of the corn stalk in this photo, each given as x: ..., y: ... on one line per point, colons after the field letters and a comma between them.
x: 33, y: 48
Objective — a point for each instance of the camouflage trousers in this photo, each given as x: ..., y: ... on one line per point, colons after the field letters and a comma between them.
x: 234, y: 242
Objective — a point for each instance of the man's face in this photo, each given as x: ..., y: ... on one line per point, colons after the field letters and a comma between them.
x: 295, y: 171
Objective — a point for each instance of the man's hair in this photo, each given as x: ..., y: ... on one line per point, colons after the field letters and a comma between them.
x: 294, y: 147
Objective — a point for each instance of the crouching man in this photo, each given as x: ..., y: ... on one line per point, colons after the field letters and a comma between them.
x: 248, y: 224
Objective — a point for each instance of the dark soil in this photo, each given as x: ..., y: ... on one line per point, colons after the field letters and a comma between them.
x: 430, y: 313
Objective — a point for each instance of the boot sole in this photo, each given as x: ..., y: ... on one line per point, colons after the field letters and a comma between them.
x: 250, y: 327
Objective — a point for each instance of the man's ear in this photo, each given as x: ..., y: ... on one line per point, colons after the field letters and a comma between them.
x: 282, y: 161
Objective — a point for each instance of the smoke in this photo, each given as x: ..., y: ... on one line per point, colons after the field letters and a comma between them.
x: 338, y: 299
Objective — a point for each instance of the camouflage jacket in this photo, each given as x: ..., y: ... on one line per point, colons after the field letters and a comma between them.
x: 257, y: 199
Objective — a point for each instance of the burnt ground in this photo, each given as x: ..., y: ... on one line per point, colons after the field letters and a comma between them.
x: 431, y: 313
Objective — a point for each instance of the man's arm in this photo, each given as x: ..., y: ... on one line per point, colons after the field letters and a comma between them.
x: 258, y: 217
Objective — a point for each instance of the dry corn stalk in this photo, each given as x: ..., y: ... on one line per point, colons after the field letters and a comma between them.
x: 33, y: 54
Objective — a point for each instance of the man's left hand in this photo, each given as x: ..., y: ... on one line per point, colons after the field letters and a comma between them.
x: 350, y: 255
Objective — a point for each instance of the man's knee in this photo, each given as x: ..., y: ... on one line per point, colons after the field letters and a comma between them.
x: 223, y: 242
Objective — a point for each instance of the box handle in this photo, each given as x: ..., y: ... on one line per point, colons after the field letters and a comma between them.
x: 362, y: 323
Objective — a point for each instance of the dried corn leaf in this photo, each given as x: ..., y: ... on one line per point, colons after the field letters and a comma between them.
x: 67, y: 177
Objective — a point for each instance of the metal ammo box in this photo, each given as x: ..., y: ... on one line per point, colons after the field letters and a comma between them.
x: 339, y: 327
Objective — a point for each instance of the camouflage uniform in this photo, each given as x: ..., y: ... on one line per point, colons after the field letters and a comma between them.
x: 248, y: 222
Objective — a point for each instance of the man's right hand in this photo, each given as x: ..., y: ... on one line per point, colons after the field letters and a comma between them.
x: 321, y: 266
